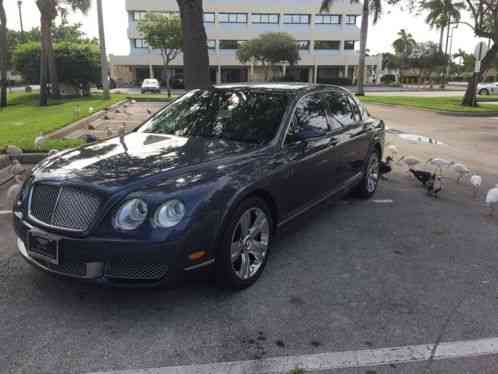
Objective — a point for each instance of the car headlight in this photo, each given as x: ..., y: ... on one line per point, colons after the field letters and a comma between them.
x: 131, y: 215
x: 169, y: 214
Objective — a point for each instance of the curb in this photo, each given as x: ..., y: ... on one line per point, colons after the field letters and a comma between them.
x: 57, y: 134
x: 440, y: 112
x: 31, y: 158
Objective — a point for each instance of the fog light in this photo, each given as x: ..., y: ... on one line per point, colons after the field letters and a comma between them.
x: 195, y: 256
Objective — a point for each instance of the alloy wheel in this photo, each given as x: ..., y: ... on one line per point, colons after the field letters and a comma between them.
x: 373, y: 174
x: 249, y: 244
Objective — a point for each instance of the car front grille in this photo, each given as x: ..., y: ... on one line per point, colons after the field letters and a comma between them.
x: 64, y: 207
x: 135, y: 270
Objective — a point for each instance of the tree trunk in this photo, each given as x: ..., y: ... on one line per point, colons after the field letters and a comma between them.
x: 195, y: 51
x: 52, y: 66
x: 363, y: 48
x: 3, y: 56
x: 469, y: 98
x: 104, y: 66
x: 44, y: 22
x: 441, y: 38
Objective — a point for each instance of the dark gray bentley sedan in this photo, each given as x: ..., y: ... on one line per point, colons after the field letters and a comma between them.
x: 206, y: 181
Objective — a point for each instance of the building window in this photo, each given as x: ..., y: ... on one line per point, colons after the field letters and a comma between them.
x: 300, y: 19
x: 209, y: 17
x: 327, y: 44
x: 232, y: 17
x: 230, y: 44
x: 303, y: 45
x: 141, y: 43
x: 328, y: 19
x: 349, y: 44
x: 350, y: 20
x: 265, y: 18
x: 211, y: 43
x: 137, y: 16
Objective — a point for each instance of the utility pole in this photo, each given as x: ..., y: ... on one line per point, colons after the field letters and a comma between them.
x: 103, y: 55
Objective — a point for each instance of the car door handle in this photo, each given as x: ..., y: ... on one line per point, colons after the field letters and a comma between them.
x: 333, y: 141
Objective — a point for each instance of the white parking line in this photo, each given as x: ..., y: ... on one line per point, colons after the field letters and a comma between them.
x: 5, y: 212
x: 334, y: 360
x: 383, y: 201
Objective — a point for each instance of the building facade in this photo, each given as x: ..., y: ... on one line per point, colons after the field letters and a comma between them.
x: 328, y: 42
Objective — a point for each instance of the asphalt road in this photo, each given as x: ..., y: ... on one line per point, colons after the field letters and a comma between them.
x: 349, y: 275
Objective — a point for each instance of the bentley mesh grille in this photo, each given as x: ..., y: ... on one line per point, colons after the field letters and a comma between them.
x: 64, y: 207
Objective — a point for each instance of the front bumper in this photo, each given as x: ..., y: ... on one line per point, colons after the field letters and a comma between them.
x: 117, y: 262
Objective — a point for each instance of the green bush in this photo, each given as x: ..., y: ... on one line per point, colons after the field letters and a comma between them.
x: 77, y: 63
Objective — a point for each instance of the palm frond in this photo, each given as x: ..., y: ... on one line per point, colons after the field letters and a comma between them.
x: 376, y: 9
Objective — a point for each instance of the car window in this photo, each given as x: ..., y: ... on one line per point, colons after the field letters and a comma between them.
x: 242, y: 115
x: 355, y: 108
x: 340, y: 108
x: 309, y: 115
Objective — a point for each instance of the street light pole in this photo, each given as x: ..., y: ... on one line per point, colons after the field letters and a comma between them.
x: 103, y: 55
x: 19, y: 5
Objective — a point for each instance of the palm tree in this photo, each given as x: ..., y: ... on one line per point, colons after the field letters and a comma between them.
x: 195, y: 52
x: 49, y: 9
x: 374, y: 6
x: 3, y: 56
x: 404, y: 47
x: 441, y: 14
x: 103, y: 54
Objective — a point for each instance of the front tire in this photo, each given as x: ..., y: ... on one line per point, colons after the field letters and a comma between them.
x: 245, y: 245
x: 484, y: 91
x: 368, y: 185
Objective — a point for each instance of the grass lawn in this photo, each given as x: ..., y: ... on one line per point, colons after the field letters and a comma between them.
x: 23, y: 119
x: 446, y: 104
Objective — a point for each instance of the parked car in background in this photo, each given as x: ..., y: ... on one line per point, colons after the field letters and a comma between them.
x: 206, y: 181
x: 489, y: 88
x: 177, y: 81
x: 151, y: 85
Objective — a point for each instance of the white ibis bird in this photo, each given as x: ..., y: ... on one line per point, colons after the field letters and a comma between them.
x: 91, y: 110
x: 133, y: 101
x: 122, y: 130
x: 440, y: 163
x: 492, y: 199
x: 461, y: 171
x: 39, y: 140
x: 16, y: 168
x: 476, y: 182
x: 393, y: 150
x: 410, y: 161
x: 435, y: 186
x: 385, y: 167
x: 14, y: 190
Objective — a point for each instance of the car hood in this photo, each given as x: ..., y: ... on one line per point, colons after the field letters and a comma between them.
x: 137, y: 156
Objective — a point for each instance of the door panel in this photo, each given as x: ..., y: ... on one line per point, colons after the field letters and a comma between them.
x: 311, y: 160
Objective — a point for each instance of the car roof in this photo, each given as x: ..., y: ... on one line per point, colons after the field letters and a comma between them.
x: 291, y: 87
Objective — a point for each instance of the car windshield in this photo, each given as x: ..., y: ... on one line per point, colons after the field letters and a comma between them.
x: 239, y: 115
x: 150, y: 81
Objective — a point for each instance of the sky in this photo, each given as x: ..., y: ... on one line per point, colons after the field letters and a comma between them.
x: 380, y: 36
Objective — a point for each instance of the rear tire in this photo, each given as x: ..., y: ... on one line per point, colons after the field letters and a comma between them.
x: 245, y: 245
x: 484, y: 91
x: 370, y: 181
